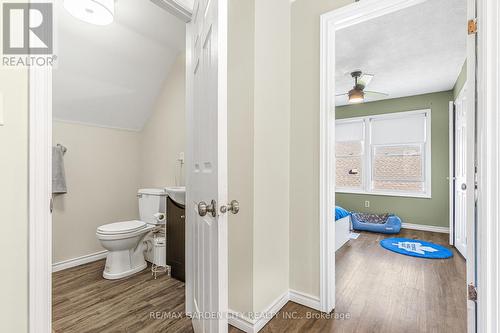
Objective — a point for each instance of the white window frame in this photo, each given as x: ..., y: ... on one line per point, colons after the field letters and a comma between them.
x: 368, y: 154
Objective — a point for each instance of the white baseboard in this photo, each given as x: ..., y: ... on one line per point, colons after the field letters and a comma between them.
x: 248, y: 325
x: 241, y: 322
x: 59, y: 266
x: 444, y: 230
x: 304, y: 299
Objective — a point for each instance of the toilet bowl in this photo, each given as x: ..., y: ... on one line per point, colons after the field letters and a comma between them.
x: 123, y: 240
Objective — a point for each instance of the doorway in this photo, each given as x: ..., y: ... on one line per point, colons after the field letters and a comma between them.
x: 41, y: 167
x: 332, y: 23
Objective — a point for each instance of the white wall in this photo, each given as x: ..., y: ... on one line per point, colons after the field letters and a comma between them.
x: 102, y: 174
x: 164, y: 135
x: 304, y: 143
x: 14, y: 200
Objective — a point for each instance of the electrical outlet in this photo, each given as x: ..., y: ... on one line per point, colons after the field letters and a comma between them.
x: 367, y: 204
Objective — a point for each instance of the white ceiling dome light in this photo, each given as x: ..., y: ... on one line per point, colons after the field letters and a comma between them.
x: 98, y: 12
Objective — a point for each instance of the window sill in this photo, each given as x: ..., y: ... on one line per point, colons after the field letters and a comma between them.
x: 388, y: 194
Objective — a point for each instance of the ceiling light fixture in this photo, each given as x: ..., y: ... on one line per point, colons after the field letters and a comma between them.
x: 98, y: 12
x: 356, y: 96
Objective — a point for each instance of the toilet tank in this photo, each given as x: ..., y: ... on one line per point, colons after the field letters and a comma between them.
x: 151, y: 202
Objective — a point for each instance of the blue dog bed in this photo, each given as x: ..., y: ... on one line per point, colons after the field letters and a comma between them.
x: 387, y: 224
x: 340, y: 213
x: 416, y: 248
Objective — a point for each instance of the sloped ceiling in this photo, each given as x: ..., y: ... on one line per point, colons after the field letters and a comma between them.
x: 112, y: 75
x: 417, y: 50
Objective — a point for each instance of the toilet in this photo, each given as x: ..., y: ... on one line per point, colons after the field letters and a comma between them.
x: 124, y: 240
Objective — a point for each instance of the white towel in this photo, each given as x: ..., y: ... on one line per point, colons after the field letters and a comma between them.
x: 58, y: 174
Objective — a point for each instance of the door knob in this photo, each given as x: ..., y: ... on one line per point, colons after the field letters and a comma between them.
x: 204, y: 208
x: 233, y: 207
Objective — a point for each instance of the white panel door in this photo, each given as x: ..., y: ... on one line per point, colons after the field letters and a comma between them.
x: 206, y: 232
x: 460, y: 188
x: 470, y: 151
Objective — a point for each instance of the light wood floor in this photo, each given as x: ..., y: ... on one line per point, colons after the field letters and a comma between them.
x: 379, y: 290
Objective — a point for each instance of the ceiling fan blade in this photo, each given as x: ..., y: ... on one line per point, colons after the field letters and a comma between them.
x: 375, y: 93
x: 365, y: 79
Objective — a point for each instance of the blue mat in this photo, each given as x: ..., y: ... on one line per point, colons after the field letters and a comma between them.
x: 416, y: 248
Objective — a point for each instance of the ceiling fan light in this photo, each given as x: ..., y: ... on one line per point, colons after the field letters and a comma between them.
x: 356, y: 96
x: 98, y: 12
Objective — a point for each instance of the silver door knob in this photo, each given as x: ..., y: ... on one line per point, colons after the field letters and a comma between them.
x: 233, y: 207
x: 204, y: 209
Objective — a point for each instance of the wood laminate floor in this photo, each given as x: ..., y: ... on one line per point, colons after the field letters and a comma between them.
x: 386, y: 292
x: 85, y: 302
x: 377, y: 291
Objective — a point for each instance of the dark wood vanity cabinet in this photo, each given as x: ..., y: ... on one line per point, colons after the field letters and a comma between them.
x: 176, y: 239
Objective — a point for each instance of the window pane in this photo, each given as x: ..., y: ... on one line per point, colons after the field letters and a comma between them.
x: 398, y: 163
x: 349, y: 148
x: 412, y: 187
x: 398, y: 168
x: 349, y: 172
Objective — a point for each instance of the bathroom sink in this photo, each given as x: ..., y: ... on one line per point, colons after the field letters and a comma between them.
x: 177, y: 194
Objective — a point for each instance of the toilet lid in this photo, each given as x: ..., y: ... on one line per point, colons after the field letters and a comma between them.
x: 121, y: 227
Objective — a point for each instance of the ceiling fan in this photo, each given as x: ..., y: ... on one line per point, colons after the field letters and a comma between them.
x: 357, y: 93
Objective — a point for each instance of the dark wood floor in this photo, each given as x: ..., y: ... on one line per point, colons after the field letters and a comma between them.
x: 377, y: 290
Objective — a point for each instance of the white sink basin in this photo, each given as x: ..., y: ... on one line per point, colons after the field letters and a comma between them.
x: 177, y: 194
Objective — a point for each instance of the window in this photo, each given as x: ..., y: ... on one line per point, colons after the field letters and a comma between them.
x: 349, y: 153
x: 386, y: 154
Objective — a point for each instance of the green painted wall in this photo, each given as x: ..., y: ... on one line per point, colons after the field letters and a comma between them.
x: 462, y: 77
x: 432, y: 211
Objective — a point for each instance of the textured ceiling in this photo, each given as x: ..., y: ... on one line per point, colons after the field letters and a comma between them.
x: 112, y: 75
x: 417, y: 50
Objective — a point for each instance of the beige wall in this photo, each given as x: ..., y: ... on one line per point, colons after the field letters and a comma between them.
x: 14, y: 201
x: 271, y: 151
x: 259, y: 125
x: 164, y: 135
x: 304, y: 143
x: 102, y: 171
x: 105, y: 167
x: 240, y: 152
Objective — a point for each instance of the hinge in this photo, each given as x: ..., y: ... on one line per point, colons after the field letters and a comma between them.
x: 471, y: 293
x: 472, y: 27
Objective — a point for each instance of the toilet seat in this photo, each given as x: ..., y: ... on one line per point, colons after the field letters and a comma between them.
x: 118, y: 228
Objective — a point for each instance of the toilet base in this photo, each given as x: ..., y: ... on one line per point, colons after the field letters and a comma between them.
x: 120, y: 264
x: 111, y: 276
